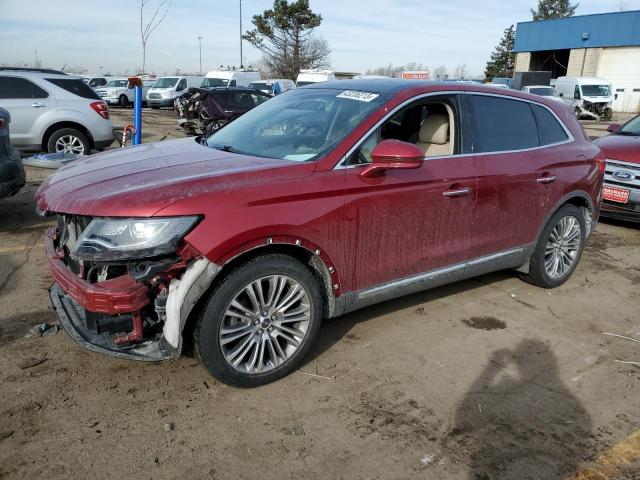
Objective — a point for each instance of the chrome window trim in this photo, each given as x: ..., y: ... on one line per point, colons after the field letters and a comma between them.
x: 570, y: 138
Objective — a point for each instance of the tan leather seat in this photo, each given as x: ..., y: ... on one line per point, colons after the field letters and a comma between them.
x: 434, y: 135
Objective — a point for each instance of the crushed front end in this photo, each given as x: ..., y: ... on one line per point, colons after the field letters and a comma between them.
x: 596, y: 110
x: 111, y: 293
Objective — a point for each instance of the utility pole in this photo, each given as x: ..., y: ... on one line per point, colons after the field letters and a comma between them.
x: 241, y: 66
x: 200, y: 46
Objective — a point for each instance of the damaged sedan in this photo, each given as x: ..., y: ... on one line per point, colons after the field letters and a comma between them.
x: 321, y: 201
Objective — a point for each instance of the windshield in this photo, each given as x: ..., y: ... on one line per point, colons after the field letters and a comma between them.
x: 596, y: 90
x: 215, y: 82
x: 299, y: 125
x: 167, y: 82
x: 117, y: 83
x: 262, y: 86
x: 544, y: 92
x: 632, y: 127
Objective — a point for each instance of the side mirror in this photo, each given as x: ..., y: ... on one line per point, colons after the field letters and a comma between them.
x: 615, y: 97
x: 613, y: 127
x: 561, y: 94
x: 391, y: 155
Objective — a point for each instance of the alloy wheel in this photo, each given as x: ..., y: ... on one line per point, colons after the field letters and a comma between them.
x: 69, y: 144
x: 563, y: 247
x: 265, y: 324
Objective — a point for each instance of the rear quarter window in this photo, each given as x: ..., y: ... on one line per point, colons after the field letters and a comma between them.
x: 502, y: 124
x: 75, y: 86
x: 549, y: 128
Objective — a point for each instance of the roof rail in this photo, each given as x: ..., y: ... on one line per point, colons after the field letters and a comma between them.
x: 27, y: 69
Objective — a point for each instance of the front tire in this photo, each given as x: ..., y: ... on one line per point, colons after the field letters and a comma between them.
x: 68, y: 140
x: 123, y: 101
x: 213, y: 127
x: 260, y: 322
x: 559, y: 249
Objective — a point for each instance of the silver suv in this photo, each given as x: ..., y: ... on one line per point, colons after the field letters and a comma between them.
x: 54, y: 112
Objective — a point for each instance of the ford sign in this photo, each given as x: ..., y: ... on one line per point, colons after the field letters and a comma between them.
x: 623, y: 175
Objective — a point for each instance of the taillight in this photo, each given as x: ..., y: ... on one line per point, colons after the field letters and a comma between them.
x: 101, y: 109
x: 601, y: 163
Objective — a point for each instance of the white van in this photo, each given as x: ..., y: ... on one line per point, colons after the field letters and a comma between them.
x: 587, y: 96
x: 230, y: 78
x: 306, y: 77
x: 273, y: 86
x: 166, y: 89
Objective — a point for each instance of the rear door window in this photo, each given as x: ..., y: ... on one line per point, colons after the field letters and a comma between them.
x: 15, y: 87
x: 502, y: 124
x: 548, y: 126
x: 75, y: 86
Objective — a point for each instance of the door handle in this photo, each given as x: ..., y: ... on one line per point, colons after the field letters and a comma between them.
x: 38, y: 105
x: 545, y: 180
x: 460, y: 192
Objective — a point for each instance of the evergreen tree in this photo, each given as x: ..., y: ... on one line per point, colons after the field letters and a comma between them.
x: 284, y: 35
x: 548, y: 9
x: 502, y: 59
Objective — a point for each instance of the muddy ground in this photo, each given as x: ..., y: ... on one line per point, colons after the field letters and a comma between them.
x: 488, y: 378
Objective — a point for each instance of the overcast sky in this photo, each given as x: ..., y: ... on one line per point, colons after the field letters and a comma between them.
x: 362, y: 34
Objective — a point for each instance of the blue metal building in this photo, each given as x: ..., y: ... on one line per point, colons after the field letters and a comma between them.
x: 605, y: 45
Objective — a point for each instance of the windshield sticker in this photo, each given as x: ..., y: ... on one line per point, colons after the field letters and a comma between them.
x: 360, y: 96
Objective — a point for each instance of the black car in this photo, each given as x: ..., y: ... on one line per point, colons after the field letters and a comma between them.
x: 206, y: 110
x: 12, y: 176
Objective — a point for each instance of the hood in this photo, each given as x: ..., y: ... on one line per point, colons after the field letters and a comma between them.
x: 620, y: 147
x: 598, y: 99
x: 142, y: 180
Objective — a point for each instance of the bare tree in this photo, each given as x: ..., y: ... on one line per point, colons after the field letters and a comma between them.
x: 440, y: 73
x: 461, y: 71
x: 623, y: 5
x: 147, y: 30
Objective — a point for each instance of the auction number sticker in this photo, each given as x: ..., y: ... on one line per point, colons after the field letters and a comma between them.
x: 360, y: 96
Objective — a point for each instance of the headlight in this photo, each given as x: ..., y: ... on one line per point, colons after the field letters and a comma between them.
x: 131, y: 238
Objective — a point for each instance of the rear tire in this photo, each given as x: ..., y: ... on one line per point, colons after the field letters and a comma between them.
x: 123, y: 101
x: 251, y: 332
x: 68, y: 140
x: 559, y: 248
x: 578, y: 113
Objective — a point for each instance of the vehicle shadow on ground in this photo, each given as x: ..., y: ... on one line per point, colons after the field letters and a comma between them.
x: 333, y: 330
x: 518, y: 421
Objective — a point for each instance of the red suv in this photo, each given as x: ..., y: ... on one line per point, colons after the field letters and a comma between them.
x: 321, y: 201
x: 621, y: 193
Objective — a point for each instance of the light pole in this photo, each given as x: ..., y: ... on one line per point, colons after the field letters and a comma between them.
x: 241, y: 34
x: 200, y: 47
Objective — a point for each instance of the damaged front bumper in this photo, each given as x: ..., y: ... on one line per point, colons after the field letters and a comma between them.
x: 113, y: 316
x: 73, y: 319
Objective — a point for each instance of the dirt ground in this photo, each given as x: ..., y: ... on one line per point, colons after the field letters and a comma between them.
x: 490, y: 378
